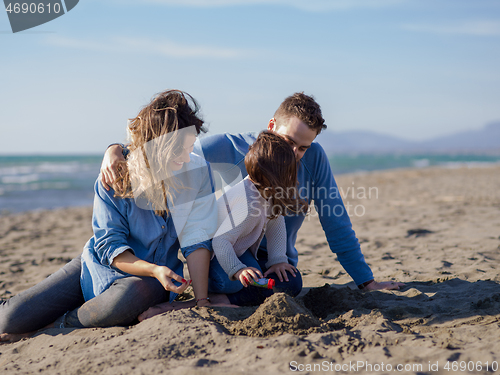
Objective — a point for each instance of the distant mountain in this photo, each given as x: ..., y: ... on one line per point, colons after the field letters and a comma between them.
x: 486, y: 140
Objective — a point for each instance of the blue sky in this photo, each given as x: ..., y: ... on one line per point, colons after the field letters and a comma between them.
x: 415, y: 69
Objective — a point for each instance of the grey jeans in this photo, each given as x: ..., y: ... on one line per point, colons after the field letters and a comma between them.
x: 59, y: 297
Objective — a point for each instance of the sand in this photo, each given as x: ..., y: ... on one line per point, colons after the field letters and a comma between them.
x: 437, y: 230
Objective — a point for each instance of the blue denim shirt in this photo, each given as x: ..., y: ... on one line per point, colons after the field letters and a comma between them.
x: 120, y: 224
x: 226, y: 154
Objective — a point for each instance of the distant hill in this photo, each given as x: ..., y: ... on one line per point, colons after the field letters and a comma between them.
x: 484, y: 141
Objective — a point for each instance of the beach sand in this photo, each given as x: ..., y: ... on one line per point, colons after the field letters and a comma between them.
x: 437, y: 230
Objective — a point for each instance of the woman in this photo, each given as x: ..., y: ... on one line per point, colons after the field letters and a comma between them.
x: 162, y: 202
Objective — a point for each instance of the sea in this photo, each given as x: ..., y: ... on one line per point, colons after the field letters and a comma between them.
x: 46, y: 182
x: 361, y: 163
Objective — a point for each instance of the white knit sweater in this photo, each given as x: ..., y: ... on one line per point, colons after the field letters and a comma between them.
x: 242, y: 222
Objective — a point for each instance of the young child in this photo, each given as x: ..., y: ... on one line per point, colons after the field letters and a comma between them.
x: 254, y: 207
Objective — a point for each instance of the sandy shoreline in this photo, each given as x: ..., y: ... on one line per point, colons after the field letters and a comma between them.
x: 449, y: 310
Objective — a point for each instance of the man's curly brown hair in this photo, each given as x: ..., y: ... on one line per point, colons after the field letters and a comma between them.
x: 305, y: 108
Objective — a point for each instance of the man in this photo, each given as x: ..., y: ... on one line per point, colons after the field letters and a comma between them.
x: 298, y: 120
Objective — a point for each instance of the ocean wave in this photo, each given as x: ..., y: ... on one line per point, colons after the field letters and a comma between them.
x: 20, y: 179
x: 47, y: 185
x: 46, y: 167
x: 16, y: 170
x: 70, y: 167
x: 420, y: 163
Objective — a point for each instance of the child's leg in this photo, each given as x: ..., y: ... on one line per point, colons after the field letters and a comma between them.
x: 292, y: 287
x: 253, y: 296
x: 219, y: 280
x: 198, y: 263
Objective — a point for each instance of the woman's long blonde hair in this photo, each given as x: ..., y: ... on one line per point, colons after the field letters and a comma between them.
x: 155, y: 137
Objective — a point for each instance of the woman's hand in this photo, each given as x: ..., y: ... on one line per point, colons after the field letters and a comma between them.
x: 248, y: 273
x: 280, y: 270
x: 129, y: 263
x: 109, y: 166
x: 165, y: 275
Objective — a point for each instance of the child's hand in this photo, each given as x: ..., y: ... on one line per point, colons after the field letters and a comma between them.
x: 280, y: 270
x: 247, y: 273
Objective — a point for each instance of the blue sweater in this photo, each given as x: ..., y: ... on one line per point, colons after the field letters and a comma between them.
x: 226, y: 154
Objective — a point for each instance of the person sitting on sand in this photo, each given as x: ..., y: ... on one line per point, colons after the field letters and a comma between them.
x: 298, y: 120
x: 162, y: 201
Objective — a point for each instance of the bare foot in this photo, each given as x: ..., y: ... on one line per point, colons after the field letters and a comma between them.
x: 164, y: 307
x: 203, y: 303
x: 220, y: 300
x: 155, y: 310
x: 216, y: 300
x: 7, y: 338
x: 220, y: 305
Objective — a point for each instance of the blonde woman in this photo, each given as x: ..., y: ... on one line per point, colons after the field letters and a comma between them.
x: 162, y: 202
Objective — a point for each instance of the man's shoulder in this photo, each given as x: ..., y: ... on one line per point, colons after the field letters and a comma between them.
x: 225, y: 147
x: 316, y: 146
x: 315, y: 164
x: 228, y: 138
x: 315, y: 154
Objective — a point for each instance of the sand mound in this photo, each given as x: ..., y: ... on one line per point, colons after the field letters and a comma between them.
x: 279, y: 314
